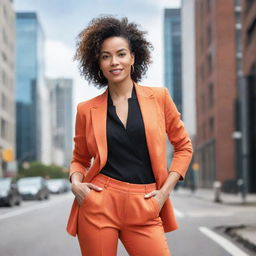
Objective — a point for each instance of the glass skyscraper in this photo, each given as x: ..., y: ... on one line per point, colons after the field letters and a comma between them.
x: 29, y: 85
x: 61, y: 101
x: 172, y: 54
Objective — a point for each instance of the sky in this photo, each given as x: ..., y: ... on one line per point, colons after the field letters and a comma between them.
x: 62, y: 21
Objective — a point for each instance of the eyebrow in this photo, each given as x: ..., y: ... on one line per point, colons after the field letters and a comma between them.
x: 123, y: 49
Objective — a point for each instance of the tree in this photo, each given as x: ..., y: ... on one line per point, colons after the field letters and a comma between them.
x: 39, y: 169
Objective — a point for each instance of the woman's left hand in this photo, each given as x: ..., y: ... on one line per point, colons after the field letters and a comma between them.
x: 159, y: 195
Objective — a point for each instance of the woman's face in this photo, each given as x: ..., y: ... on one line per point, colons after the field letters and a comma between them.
x: 115, y: 60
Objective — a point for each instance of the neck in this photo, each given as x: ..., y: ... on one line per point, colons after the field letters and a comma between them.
x: 121, y: 90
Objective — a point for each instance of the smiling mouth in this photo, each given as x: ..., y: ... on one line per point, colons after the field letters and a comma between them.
x: 116, y: 71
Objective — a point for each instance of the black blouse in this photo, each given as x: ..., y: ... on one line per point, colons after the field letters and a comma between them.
x: 128, y: 158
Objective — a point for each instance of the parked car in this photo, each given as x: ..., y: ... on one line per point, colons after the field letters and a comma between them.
x: 33, y: 188
x: 57, y: 186
x: 9, y: 194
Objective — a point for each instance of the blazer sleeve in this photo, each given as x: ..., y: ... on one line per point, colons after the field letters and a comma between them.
x: 81, y: 159
x: 178, y: 136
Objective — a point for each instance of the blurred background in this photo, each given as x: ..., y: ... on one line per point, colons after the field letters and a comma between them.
x: 204, y: 53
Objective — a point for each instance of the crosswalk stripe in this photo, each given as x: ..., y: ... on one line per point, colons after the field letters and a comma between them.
x: 223, y: 242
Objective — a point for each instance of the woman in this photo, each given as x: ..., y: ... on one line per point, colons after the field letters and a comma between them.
x: 124, y: 192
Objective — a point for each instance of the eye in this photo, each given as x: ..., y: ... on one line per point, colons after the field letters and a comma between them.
x: 122, y: 54
x: 104, y: 57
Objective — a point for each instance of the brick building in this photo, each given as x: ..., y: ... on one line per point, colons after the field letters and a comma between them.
x: 216, y: 91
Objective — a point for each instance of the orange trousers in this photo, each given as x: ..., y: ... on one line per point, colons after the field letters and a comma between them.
x: 120, y: 211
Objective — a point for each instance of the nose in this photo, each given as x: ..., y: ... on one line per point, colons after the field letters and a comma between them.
x: 114, y: 61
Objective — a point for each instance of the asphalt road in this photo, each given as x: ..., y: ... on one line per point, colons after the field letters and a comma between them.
x: 38, y: 228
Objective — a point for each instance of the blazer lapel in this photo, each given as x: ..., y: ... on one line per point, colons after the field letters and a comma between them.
x: 99, y: 121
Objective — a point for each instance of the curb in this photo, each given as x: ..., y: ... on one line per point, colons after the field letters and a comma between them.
x: 232, y: 232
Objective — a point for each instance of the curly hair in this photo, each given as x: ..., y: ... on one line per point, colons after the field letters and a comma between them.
x: 89, y: 43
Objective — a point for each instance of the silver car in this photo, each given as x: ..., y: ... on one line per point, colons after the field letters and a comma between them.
x: 57, y: 186
x: 33, y: 188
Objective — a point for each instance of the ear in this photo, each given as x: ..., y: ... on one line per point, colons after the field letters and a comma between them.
x: 133, y: 58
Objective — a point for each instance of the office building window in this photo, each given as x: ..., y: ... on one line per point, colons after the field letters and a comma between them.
x: 209, y: 5
x: 238, y: 17
x: 238, y: 2
x: 3, y: 129
x: 249, y: 3
x: 3, y: 102
x: 4, y: 36
x: 238, y: 40
x: 202, y: 102
x: 238, y: 65
x: 4, y: 12
x: 202, y: 72
x: 211, y: 95
x: 176, y: 28
x: 211, y: 124
x: 209, y: 63
x: 4, y: 56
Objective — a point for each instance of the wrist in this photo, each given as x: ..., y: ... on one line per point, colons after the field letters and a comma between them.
x: 76, y: 182
x: 165, y: 192
x: 76, y: 178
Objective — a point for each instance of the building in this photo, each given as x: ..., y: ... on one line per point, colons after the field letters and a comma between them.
x: 61, y: 102
x: 189, y: 77
x: 188, y: 65
x: 216, y: 92
x: 248, y: 94
x: 7, y: 88
x: 172, y: 61
x: 172, y: 54
x: 32, y: 127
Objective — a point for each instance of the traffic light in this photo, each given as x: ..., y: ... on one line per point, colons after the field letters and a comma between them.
x: 7, y: 155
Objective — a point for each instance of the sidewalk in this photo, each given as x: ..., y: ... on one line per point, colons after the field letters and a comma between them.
x: 226, y: 198
x: 243, y: 234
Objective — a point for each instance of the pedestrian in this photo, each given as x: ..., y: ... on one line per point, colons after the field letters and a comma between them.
x: 119, y: 171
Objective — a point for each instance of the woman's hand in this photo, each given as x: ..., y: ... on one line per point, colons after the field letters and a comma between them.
x: 159, y: 195
x: 163, y: 194
x: 82, y: 189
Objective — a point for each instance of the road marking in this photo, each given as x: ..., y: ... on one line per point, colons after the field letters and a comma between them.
x: 207, y: 214
x: 223, y: 242
x: 179, y: 213
x: 31, y: 208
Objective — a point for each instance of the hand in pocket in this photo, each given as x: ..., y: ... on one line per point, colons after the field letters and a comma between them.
x: 82, y: 190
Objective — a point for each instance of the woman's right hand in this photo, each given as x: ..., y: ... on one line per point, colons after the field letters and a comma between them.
x: 82, y: 189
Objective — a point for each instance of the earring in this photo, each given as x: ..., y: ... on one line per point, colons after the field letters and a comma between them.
x: 99, y: 75
x: 132, y: 68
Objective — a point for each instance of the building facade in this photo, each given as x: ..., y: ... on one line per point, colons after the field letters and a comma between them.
x: 188, y: 65
x: 172, y: 54
x: 172, y: 62
x: 7, y: 87
x: 31, y: 127
x: 248, y: 92
x: 216, y: 92
x: 189, y: 79
x: 61, y: 102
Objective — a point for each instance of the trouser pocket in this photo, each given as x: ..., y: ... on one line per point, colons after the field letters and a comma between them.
x: 87, y: 197
x: 139, y: 210
x: 156, y: 205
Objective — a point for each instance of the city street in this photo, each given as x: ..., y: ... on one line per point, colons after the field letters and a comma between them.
x: 38, y: 228
x: 141, y: 92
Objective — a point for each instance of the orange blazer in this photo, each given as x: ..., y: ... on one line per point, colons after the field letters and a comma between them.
x: 160, y: 117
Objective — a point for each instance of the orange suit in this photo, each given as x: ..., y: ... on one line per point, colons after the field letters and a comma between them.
x: 160, y: 117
